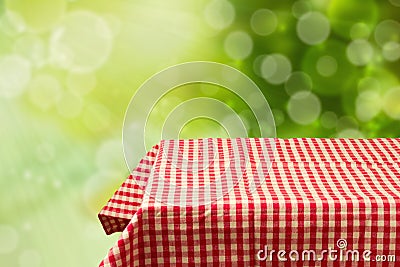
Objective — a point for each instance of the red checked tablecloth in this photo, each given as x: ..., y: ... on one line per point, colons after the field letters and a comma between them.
x: 318, y: 194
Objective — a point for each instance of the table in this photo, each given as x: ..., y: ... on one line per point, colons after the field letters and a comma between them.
x: 318, y: 194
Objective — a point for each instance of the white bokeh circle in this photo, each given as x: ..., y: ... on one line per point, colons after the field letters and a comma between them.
x: 77, y: 48
x: 326, y: 66
x: 391, y: 101
x: 298, y: 81
x: 304, y: 107
x: 313, y: 28
x: 328, y: 120
x: 264, y: 22
x: 360, y: 30
x: 15, y: 74
x: 360, y: 52
x: 155, y: 88
x: 275, y: 68
x: 238, y: 45
x: 368, y: 105
x: 300, y: 8
x: 350, y: 133
x: 219, y: 14
x: 387, y: 31
x: 391, y: 51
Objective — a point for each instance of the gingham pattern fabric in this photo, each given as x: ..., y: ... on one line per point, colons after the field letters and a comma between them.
x: 317, y: 191
x: 127, y: 200
x: 193, y: 172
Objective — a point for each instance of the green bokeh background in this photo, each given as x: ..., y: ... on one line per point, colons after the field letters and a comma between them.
x: 68, y: 70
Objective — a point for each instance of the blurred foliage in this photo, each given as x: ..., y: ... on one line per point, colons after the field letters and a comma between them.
x: 68, y: 69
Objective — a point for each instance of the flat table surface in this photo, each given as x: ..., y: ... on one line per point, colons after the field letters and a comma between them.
x: 308, y: 193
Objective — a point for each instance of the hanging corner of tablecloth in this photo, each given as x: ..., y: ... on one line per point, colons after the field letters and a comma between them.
x: 126, y: 201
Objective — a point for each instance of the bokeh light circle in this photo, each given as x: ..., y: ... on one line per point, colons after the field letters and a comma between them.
x: 219, y: 14
x: 77, y: 48
x: 238, y: 45
x: 350, y: 133
x: 313, y: 28
x: 326, y: 66
x: 329, y: 120
x: 360, y: 30
x: 153, y: 90
x: 368, y: 105
x: 15, y: 74
x: 298, y: 81
x: 304, y: 107
x: 360, y: 52
x: 391, y: 101
x: 346, y: 122
x: 300, y: 8
x: 387, y: 31
x: 275, y: 68
x: 264, y: 22
x: 391, y: 51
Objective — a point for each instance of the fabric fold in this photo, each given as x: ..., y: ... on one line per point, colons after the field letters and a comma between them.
x: 126, y: 201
